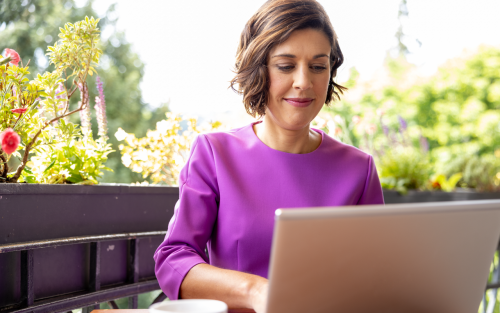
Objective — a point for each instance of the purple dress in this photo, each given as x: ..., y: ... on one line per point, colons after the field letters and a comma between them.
x: 230, y: 188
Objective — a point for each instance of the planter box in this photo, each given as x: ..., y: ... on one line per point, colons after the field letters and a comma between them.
x: 391, y: 196
x: 32, y: 212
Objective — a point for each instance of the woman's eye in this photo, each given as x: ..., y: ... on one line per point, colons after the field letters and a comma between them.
x: 318, y: 68
x: 285, y: 68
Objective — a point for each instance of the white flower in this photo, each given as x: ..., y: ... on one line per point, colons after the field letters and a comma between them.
x: 127, y: 160
x: 331, y: 127
x: 142, y: 155
x: 320, y: 123
x: 338, y: 119
x: 64, y: 172
x: 120, y: 134
x: 163, y: 126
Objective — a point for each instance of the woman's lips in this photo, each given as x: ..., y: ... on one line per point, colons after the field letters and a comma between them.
x: 299, y: 102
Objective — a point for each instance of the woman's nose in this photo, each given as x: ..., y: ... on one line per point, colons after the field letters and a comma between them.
x: 302, y: 78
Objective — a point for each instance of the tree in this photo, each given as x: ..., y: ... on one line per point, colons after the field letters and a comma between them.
x: 29, y: 26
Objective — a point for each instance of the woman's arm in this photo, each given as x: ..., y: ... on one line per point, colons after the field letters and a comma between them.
x: 237, y: 289
x: 372, y: 193
x: 181, y: 267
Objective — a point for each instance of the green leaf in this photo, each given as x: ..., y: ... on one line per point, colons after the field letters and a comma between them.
x: 75, y: 178
x: 30, y: 179
x: 50, y: 166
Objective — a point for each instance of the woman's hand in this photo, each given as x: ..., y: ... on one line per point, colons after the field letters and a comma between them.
x: 258, y: 295
x: 237, y: 289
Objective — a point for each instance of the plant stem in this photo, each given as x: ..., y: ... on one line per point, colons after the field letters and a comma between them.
x: 5, y: 165
x: 21, y: 167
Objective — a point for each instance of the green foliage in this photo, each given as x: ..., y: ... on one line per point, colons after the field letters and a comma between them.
x: 77, y: 42
x: 454, y: 115
x: 69, y: 160
x: 403, y: 168
x: 481, y: 173
x: 30, y: 25
x: 42, y: 107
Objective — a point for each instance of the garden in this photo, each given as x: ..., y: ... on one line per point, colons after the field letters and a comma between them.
x: 433, y: 139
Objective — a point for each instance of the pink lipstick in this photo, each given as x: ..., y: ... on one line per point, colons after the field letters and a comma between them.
x: 299, y: 102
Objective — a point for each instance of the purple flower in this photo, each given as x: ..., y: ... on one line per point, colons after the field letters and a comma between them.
x: 424, y: 144
x: 85, y: 113
x: 385, y: 129
x: 100, y: 108
x: 402, y: 123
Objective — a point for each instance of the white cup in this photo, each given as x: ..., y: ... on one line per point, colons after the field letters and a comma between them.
x: 189, y: 306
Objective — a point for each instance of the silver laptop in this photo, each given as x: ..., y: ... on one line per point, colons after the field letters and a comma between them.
x: 426, y: 257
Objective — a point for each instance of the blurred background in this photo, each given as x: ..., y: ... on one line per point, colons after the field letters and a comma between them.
x: 424, y: 76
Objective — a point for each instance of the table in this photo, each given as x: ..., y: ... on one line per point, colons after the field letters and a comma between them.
x: 147, y: 311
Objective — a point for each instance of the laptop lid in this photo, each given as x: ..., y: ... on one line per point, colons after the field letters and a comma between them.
x: 422, y: 257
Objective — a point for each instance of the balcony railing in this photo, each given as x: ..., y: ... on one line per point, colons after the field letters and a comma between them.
x: 63, y: 274
x: 94, y: 294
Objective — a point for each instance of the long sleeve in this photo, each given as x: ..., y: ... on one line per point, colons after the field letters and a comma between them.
x: 372, y: 193
x: 192, y: 223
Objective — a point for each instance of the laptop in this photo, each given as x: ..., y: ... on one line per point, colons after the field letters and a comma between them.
x: 422, y: 257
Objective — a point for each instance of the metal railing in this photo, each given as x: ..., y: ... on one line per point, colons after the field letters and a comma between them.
x: 90, y: 298
x: 95, y: 294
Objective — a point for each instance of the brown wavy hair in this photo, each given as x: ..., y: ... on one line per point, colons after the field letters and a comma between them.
x: 273, y: 24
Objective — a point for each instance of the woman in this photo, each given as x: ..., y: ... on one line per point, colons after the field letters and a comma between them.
x: 234, y: 181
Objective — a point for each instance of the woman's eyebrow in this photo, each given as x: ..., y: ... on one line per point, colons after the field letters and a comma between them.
x: 317, y: 56
x: 284, y: 55
x: 292, y: 56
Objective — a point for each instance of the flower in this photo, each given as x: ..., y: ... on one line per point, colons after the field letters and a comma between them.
x: 120, y: 134
x: 10, y: 140
x: 356, y: 119
x: 14, y: 56
x: 380, y: 112
x: 61, y: 92
x: 20, y: 110
x: 370, y: 128
x: 385, y: 129
x: 63, y: 101
x: 164, y: 126
x: 320, y: 123
x: 100, y: 108
x: 338, y: 119
x: 424, y: 144
x: 85, y: 112
x: 402, y: 123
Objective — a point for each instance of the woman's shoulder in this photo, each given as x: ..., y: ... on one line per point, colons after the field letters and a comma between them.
x: 335, y: 147
x: 231, y: 137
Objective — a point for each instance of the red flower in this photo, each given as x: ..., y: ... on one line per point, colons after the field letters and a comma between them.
x: 371, y: 128
x: 356, y: 119
x: 436, y: 185
x: 20, y: 111
x: 10, y: 140
x: 14, y: 56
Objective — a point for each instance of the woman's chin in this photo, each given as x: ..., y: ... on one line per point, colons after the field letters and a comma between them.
x: 295, y: 125
x: 290, y: 120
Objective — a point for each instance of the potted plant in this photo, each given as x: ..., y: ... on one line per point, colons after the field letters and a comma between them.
x: 53, y: 192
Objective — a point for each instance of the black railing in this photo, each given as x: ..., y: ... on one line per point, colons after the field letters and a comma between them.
x: 94, y: 294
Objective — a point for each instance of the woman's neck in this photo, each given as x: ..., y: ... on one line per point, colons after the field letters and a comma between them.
x: 298, y: 141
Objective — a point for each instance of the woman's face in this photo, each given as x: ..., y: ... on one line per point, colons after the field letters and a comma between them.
x: 299, y: 72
